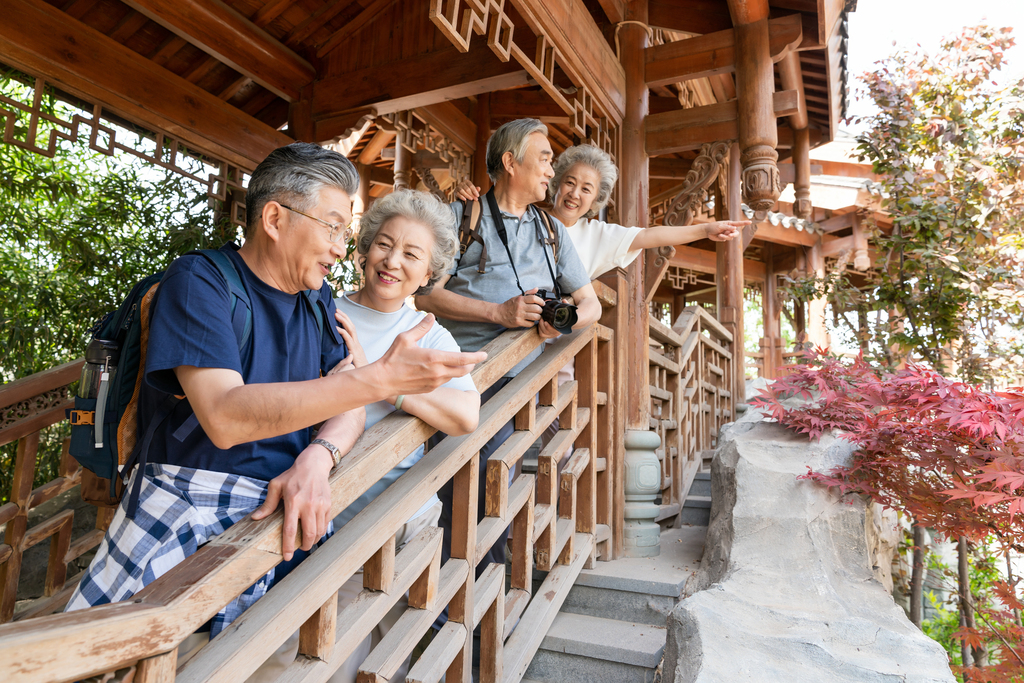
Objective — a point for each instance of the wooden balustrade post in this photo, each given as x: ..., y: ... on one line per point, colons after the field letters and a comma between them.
x: 617, y: 319
x: 729, y: 278
x: 464, y: 526
x: 14, y: 531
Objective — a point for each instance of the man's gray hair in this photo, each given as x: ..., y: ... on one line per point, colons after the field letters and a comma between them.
x: 510, y: 137
x: 421, y: 207
x: 597, y: 159
x: 294, y: 174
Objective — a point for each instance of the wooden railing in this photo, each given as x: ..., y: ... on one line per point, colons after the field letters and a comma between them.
x: 27, y: 407
x: 691, y: 380
x: 560, y: 521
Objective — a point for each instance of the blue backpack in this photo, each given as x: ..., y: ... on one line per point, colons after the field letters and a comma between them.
x: 104, y: 429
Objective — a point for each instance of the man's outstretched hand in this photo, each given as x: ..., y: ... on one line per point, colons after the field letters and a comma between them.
x: 409, y: 369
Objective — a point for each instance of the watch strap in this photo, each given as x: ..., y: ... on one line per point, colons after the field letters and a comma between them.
x: 331, y: 448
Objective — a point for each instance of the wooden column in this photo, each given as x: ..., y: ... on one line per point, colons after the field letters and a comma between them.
x: 361, y: 202
x: 729, y: 277
x: 403, y: 166
x: 483, y: 134
x: 755, y: 84
x: 816, y: 331
x: 861, y: 255
x: 634, y: 196
x: 793, y: 79
x: 770, y: 308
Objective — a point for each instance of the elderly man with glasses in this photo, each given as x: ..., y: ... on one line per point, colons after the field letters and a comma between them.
x: 242, y: 441
x: 493, y: 286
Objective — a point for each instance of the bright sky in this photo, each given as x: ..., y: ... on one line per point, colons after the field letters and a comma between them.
x: 876, y: 24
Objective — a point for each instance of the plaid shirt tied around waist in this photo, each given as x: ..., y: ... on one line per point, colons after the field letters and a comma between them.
x: 179, y: 510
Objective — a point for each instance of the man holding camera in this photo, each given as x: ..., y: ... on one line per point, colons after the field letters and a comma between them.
x: 494, y: 285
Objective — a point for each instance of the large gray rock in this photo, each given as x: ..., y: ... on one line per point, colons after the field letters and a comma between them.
x: 785, y: 590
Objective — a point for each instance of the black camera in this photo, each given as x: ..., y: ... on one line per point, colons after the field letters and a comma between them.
x: 558, y: 314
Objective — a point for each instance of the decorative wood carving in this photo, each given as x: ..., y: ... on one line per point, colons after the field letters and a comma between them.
x: 703, y: 172
x: 44, y: 129
x: 458, y: 20
x: 427, y: 176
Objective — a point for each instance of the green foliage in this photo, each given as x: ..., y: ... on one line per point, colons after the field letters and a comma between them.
x: 946, y: 144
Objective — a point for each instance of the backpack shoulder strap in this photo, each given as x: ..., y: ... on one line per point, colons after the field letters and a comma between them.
x: 552, y: 233
x: 313, y: 299
x: 469, y: 232
x: 241, y: 316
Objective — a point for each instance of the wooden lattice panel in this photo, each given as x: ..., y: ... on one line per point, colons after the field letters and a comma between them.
x: 89, y: 125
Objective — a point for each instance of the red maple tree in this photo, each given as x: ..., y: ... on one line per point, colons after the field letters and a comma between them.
x: 946, y: 453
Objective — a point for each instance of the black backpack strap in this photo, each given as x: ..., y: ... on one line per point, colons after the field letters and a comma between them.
x: 241, y: 316
x: 469, y: 232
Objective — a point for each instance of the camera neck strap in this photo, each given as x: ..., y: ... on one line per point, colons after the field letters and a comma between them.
x: 499, y: 224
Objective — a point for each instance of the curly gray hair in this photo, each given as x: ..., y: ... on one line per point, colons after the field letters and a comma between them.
x: 510, y: 137
x: 597, y: 159
x: 423, y: 208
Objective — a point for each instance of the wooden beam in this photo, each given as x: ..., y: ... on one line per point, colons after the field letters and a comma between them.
x: 837, y: 223
x: 381, y: 139
x: 39, y: 38
x: 777, y: 234
x: 689, y: 16
x: 519, y: 103
x: 353, y: 27
x: 222, y: 32
x: 615, y: 10
x: 585, y: 55
x: 713, y: 54
x: 688, y: 129
x: 703, y: 261
x: 669, y: 168
x: 432, y: 78
x: 450, y: 122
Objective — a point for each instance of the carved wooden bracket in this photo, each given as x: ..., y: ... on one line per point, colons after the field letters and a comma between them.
x: 684, y: 206
x: 427, y: 176
x: 703, y: 172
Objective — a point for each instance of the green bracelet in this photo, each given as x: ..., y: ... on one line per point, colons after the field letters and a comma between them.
x: 398, y: 401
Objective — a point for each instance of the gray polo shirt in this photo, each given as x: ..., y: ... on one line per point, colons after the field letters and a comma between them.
x: 497, y: 283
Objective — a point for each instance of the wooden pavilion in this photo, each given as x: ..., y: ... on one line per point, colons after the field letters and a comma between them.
x: 710, y: 108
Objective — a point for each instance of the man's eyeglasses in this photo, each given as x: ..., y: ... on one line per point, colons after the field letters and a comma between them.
x: 336, y: 231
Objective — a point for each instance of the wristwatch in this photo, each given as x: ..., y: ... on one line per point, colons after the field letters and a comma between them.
x: 334, y: 450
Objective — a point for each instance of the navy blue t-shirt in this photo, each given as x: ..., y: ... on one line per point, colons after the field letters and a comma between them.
x: 190, y: 324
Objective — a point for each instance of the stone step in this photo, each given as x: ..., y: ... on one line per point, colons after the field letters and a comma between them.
x: 639, y: 590
x: 701, y: 485
x: 586, y: 649
x: 696, y: 511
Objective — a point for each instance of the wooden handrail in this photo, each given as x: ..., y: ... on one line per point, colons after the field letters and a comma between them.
x: 39, y: 383
x: 67, y: 646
